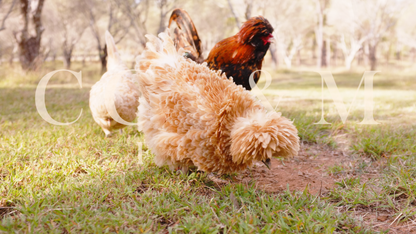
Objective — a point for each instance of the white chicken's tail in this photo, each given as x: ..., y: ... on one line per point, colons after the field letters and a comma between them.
x: 113, y: 59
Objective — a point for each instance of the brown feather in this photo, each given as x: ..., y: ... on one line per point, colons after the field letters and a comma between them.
x: 237, y: 56
x: 194, y: 116
x: 242, y: 54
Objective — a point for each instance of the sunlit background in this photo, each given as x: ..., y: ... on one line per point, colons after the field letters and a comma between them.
x: 350, y: 34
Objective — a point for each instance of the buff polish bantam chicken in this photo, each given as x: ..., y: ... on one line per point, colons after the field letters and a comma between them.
x: 115, y: 97
x: 193, y: 116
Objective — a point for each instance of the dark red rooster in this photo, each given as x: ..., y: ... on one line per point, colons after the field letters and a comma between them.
x: 238, y: 56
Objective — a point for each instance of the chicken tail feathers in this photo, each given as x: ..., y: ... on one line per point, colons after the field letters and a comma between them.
x: 113, y: 58
x: 185, y: 35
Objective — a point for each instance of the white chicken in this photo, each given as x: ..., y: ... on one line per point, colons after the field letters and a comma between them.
x: 115, y: 97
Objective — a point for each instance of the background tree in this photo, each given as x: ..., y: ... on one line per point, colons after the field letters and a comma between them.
x: 115, y: 24
x: 322, y: 8
x: 406, y: 31
x: 382, y: 16
x: 165, y: 9
x: 137, y: 12
x: 72, y: 27
x: 7, y: 14
x: 29, y: 45
x: 289, y: 39
x: 350, y: 34
x: 308, y: 31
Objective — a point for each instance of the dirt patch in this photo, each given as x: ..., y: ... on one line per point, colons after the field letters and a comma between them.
x: 311, y: 168
x: 319, y: 167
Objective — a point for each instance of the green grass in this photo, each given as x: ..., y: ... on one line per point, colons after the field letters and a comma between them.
x: 395, y: 110
x: 71, y: 179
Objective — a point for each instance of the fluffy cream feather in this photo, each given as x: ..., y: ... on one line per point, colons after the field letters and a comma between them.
x: 118, y: 84
x: 191, y: 115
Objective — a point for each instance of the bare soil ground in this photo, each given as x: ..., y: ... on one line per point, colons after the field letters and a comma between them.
x: 314, y: 168
x: 311, y: 168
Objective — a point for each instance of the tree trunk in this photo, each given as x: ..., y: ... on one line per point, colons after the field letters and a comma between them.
x: 28, y: 52
x: 1, y: 54
x: 84, y: 57
x: 3, y: 22
x: 398, y: 51
x: 288, y: 63
x: 237, y: 22
x: 298, y: 56
x: 11, y: 59
x: 249, y: 9
x: 29, y: 46
x: 319, y: 45
x: 67, y: 52
x: 67, y: 58
x: 389, y: 52
x: 324, y: 62
x: 162, y: 22
x: 348, y: 61
x: 360, y: 56
x: 319, y: 32
x: 328, y: 52
x: 103, y: 59
x: 54, y: 56
x: 313, y: 48
x: 67, y: 62
x: 365, y: 55
x: 273, y: 53
x: 45, y: 54
x: 372, y: 55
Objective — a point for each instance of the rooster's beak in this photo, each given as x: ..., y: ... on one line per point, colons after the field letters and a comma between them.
x: 271, y: 38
